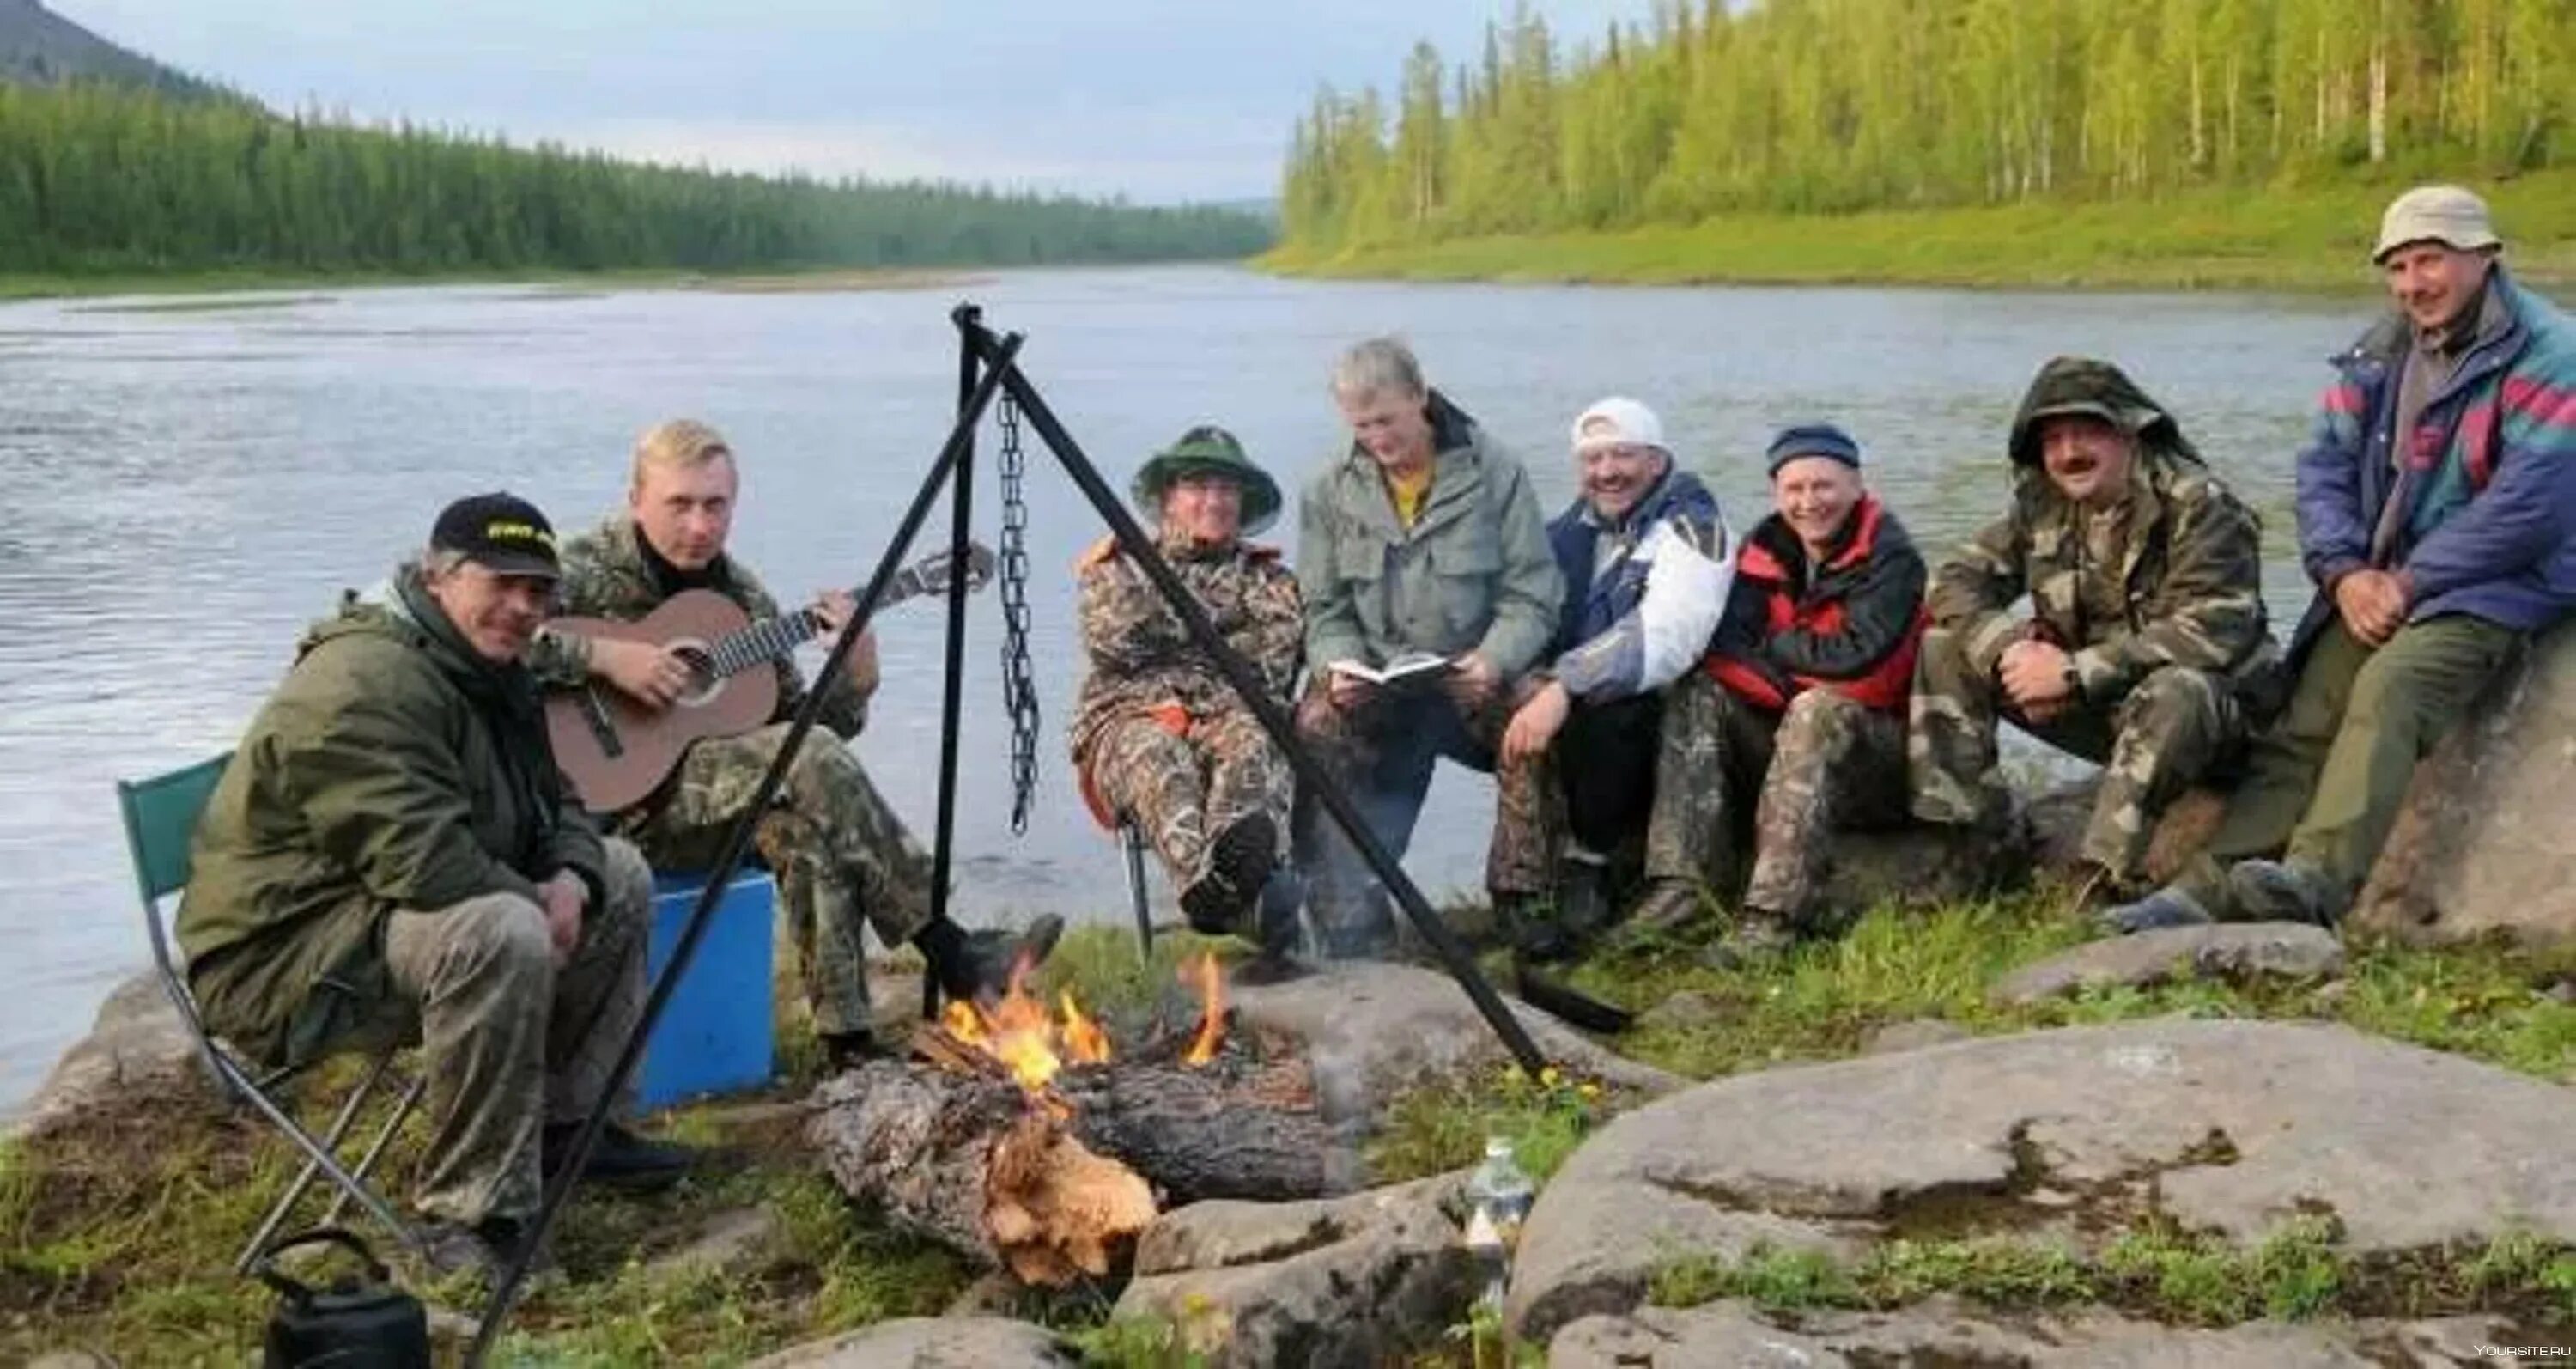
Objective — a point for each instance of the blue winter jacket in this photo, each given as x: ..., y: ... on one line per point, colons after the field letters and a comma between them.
x: 2508, y: 417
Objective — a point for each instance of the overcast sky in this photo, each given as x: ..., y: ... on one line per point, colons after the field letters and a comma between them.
x: 1160, y: 100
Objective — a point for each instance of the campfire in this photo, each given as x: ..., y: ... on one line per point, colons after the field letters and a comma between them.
x: 1022, y: 1135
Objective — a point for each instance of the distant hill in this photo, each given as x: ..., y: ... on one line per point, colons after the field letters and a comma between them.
x: 40, y: 46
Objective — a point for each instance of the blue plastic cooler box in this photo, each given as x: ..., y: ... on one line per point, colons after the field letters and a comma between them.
x: 715, y: 1034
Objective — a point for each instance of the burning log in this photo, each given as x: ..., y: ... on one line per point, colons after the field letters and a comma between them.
x: 1019, y: 1141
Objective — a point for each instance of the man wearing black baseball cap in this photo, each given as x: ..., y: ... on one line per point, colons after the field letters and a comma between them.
x: 393, y: 853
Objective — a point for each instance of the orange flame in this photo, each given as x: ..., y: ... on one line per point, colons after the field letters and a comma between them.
x: 1018, y: 1032
x: 1211, y: 986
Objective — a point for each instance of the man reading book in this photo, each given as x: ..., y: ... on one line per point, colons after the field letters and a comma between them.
x: 1422, y: 536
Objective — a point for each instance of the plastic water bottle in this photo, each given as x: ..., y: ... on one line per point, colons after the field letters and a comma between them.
x: 1499, y: 1197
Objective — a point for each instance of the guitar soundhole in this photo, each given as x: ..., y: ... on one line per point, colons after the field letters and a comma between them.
x: 703, y: 681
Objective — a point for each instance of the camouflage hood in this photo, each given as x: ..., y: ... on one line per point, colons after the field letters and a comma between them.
x: 2081, y: 385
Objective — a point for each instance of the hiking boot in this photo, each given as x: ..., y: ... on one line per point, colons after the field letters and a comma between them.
x: 1276, y: 929
x: 1667, y: 904
x: 1529, y: 924
x: 1582, y: 899
x: 1238, y: 865
x: 978, y: 965
x: 1756, y: 936
x: 2167, y: 907
x: 621, y: 1160
x: 2285, y: 891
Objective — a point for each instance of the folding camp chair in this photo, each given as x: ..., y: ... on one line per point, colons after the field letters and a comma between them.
x: 160, y: 817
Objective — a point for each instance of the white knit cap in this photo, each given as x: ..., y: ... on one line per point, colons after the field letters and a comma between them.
x: 1618, y: 422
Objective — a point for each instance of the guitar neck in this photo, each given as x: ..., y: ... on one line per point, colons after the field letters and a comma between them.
x: 777, y: 638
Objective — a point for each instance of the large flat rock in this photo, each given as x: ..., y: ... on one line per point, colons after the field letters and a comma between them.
x: 138, y: 1049
x: 1375, y: 1030
x: 2229, y: 1127
x: 1355, y: 1281
x: 931, y: 1343
x: 2482, y: 844
x: 2233, y: 951
x: 1942, y: 1332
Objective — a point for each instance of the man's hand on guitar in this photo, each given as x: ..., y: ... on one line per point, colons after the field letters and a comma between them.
x: 835, y: 607
x: 649, y: 674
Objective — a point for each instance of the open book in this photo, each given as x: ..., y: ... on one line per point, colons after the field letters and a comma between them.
x: 1413, y: 665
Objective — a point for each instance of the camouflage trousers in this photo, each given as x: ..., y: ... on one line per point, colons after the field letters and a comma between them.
x: 1823, y: 765
x: 510, y: 1039
x: 2171, y: 728
x: 1592, y: 788
x: 1380, y: 753
x: 842, y: 859
x: 1183, y: 790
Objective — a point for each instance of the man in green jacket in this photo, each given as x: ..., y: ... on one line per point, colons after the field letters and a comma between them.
x: 2146, y: 648
x: 1423, y: 538
x: 392, y: 853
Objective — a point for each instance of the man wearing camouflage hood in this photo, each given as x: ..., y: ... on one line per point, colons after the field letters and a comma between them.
x: 1158, y: 734
x: 2146, y: 649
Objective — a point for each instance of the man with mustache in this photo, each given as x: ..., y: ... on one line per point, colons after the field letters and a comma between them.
x: 2145, y: 649
x: 1645, y: 555
x: 842, y: 859
x: 1421, y: 537
x: 2437, y: 517
x: 392, y: 853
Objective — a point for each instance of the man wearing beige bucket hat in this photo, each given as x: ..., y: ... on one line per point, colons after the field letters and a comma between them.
x: 2437, y: 518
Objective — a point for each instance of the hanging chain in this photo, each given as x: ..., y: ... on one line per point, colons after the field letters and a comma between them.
x: 1019, y: 685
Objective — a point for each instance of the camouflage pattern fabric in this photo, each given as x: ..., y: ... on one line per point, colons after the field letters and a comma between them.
x: 2159, y: 597
x: 606, y: 574
x: 1158, y: 732
x: 1835, y: 765
x: 842, y: 859
x: 1714, y: 747
x: 500, y: 1025
x: 1380, y: 753
x: 2169, y: 730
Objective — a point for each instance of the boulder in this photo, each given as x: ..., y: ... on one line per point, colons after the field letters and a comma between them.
x: 2227, y: 1127
x: 1374, y: 1030
x: 2481, y: 845
x: 138, y: 1048
x: 2242, y: 950
x: 1342, y: 1281
x: 1942, y: 1331
x: 1913, y: 1035
x: 2058, y: 815
x: 931, y: 1343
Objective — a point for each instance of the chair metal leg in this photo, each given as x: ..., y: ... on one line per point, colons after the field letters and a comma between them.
x: 317, y: 1154
x: 376, y: 1149
x: 337, y: 1132
x: 1132, y: 843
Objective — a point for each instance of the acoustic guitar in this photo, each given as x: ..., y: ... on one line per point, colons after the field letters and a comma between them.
x: 617, y: 750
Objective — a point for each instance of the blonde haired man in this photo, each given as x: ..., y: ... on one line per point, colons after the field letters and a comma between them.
x: 840, y: 855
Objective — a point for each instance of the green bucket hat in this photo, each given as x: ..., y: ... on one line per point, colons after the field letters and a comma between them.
x: 1208, y: 450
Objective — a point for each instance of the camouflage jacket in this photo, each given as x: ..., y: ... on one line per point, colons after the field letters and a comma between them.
x: 607, y: 575
x: 2178, y: 583
x: 1140, y: 655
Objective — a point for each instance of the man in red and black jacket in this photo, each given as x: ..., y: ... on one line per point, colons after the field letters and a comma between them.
x: 1816, y: 656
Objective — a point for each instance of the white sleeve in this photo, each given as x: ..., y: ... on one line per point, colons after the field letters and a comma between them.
x: 1686, y: 590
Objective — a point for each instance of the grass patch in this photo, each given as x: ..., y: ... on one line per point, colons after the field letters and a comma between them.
x: 1824, y: 999
x: 2285, y: 237
x: 2153, y: 1271
x: 1444, y: 1126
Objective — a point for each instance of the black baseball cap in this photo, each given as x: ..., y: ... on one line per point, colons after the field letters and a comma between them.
x: 501, y: 532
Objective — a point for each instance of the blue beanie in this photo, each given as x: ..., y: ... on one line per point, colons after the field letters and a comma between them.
x: 1812, y: 439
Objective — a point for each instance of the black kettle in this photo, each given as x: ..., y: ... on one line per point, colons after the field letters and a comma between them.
x: 355, y: 1323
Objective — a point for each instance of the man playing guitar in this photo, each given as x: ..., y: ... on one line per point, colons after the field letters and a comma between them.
x: 838, y: 852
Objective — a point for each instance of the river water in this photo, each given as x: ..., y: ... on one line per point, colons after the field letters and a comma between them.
x: 190, y: 481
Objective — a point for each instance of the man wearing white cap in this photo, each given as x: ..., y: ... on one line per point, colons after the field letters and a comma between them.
x: 1646, y: 558
x: 2437, y: 517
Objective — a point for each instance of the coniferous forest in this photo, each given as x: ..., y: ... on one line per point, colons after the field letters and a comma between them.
x: 99, y: 178
x: 1828, y: 106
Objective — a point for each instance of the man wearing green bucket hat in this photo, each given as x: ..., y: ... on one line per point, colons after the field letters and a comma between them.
x: 1158, y: 734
